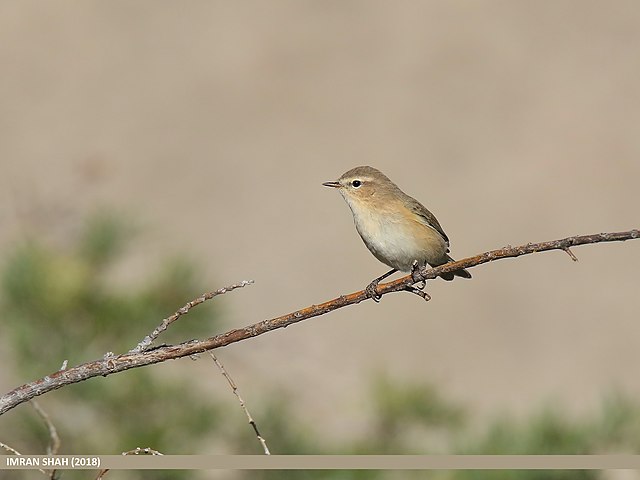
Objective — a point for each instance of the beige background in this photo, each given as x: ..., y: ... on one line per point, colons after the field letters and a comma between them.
x: 214, y: 124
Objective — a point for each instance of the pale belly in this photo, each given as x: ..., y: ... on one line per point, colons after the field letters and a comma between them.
x: 400, y: 244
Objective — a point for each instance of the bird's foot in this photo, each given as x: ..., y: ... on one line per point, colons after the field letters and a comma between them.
x: 420, y: 282
x: 416, y: 276
x: 371, y: 289
x: 372, y: 292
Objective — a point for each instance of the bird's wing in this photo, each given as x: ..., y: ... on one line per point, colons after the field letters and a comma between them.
x: 429, y: 218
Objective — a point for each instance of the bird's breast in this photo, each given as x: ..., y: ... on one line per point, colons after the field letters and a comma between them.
x: 397, y: 238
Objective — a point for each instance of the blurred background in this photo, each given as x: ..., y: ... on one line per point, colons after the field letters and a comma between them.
x: 154, y: 150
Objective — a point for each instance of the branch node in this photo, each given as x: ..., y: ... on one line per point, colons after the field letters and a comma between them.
x: 146, y: 342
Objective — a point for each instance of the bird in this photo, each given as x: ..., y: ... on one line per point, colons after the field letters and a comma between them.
x: 396, y: 228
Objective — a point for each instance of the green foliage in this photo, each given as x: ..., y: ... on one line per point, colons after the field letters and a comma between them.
x: 61, y: 305
x: 409, y: 418
x: 402, y: 410
x: 551, y: 431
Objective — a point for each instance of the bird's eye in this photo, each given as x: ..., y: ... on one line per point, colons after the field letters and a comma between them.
x: 356, y: 183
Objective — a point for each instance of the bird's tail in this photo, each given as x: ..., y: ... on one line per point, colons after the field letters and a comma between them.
x: 456, y: 273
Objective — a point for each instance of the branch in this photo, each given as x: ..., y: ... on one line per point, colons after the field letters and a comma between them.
x: 234, y: 389
x: 16, y: 452
x: 53, y: 447
x: 54, y: 444
x: 145, y: 343
x: 120, y: 363
x: 135, y: 451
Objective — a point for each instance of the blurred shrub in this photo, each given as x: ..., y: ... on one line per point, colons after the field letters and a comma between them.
x: 61, y: 305
x: 408, y: 418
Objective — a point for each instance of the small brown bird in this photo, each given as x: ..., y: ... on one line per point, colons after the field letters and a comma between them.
x: 396, y: 228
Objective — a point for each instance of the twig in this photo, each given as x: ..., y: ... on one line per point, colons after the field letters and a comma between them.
x: 570, y: 253
x: 145, y: 343
x: 54, y: 439
x: 54, y: 444
x: 135, y: 451
x: 234, y: 389
x: 11, y: 450
x: 142, y: 451
x: 120, y: 363
x: 16, y: 452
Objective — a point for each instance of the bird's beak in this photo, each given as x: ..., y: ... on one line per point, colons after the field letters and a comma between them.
x: 331, y: 184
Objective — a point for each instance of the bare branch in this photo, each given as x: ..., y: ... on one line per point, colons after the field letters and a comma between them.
x: 135, y: 451
x: 11, y: 450
x: 234, y: 389
x: 142, y: 451
x: 16, y: 452
x: 54, y: 444
x: 145, y: 343
x: 570, y: 253
x: 54, y: 439
x: 114, y: 364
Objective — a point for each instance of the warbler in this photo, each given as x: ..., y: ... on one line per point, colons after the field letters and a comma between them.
x: 396, y: 228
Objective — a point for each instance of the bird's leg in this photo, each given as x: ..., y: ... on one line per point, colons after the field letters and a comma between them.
x: 416, y: 276
x: 371, y: 288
